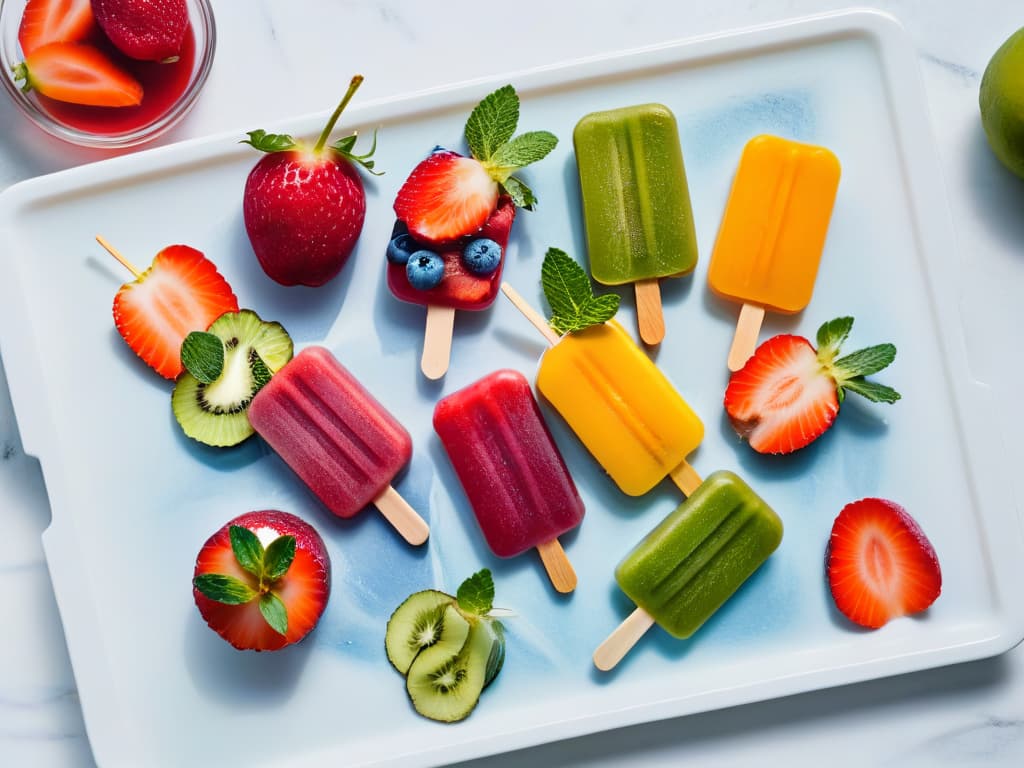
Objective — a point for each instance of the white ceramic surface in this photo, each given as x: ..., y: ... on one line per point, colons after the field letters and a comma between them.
x: 966, y: 714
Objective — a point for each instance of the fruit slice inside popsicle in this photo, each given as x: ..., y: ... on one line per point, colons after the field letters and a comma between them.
x: 773, y: 233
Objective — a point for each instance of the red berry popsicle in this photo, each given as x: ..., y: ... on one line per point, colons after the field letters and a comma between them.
x: 513, y: 474
x: 337, y: 438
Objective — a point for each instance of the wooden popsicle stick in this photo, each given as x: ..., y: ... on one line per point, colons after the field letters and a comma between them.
x: 559, y: 569
x: 403, y: 518
x: 649, y: 316
x: 530, y: 313
x: 744, y: 341
x: 437, y: 341
x: 117, y: 255
x: 686, y: 478
x: 617, y: 644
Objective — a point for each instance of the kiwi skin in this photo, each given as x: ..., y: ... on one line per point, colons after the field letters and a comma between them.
x: 419, y: 623
x: 447, y: 688
x: 216, y: 413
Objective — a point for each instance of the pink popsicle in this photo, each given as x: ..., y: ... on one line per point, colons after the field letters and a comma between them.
x: 511, y: 470
x: 337, y: 438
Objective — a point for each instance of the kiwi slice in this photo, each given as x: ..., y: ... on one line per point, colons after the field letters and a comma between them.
x: 419, y: 623
x: 444, y: 686
x: 215, y: 413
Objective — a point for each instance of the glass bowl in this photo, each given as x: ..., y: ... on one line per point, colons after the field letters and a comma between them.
x: 112, y: 127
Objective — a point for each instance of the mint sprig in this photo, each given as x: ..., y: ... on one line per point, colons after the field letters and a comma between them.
x: 489, y: 133
x: 570, y: 296
x: 476, y: 594
x: 202, y: 354
x: 849, y: 371
x: 266, y: 565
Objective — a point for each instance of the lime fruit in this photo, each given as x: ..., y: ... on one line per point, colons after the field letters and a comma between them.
x: 1002, y: 103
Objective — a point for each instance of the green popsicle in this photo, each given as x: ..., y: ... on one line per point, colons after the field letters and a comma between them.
x: 636, y: 204
x: 694, y: 560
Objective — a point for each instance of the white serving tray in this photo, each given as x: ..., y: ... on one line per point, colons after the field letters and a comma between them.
x: 133, y: 499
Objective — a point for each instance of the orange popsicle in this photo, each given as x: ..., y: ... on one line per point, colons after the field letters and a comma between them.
x: 772, y: 233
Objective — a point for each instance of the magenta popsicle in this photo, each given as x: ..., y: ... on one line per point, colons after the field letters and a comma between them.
x: 513, y: 474
x: 337, y: 438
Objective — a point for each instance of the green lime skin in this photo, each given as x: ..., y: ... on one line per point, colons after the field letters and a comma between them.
x: 1002, y: 103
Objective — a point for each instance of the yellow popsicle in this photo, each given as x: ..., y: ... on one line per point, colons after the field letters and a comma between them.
x: 628, y: 415
x: 773, y: 231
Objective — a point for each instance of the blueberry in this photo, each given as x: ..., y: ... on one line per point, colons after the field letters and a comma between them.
x: 424, y: 270
x: 437, y: 148
x: 400, y: 247
x: 481, y: 256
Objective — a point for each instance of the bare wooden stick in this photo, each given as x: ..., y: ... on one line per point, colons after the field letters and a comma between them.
x: 559, y: 569
x: 618, y: 643
x: 530, y: 313
x: 437, y: 341
x: 649, y: 316
x: 685, y: 477
x: 117, y: 255
x: 744, y: 342
x: 402, y: 516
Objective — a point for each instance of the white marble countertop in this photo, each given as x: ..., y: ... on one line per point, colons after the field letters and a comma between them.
x: 277, y: 59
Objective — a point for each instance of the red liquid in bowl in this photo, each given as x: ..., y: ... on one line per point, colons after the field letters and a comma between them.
x: 162, y: 86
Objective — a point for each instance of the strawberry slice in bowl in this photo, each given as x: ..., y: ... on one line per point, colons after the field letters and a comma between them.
x: 879, y: 563
x: 54, y: 21
x: 788, y: 393
x: 77, y: 73
x: 262, y: 580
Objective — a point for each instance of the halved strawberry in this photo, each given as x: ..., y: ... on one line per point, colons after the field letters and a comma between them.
x: 880, y: 565
x: 54, y: 21
x: 181, y: 292
x: 151, y: 30
x: 262, y: 581
x: 788, y: 393
x: 445, y: 197
x: 77, y: 74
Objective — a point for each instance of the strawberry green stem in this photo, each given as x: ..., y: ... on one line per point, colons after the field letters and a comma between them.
x: 352, y: 88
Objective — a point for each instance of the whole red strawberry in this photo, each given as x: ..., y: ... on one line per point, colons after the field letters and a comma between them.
x: 788, y: 393
x: 151, y: 30
x: 304, y: 207
x: 262, y: 581
x: 879, y: 563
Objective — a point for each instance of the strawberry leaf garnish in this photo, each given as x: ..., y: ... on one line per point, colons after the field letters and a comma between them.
x: 346, y: 147
x: 849, y: 371
x: 278, y: 557
x: 567, y: 289
x: 492, y: 122
x: 247, y: 549
x: 269, y: 142
x: 476, y: 594
x: 224, y: 589
x: 489, y: 133
x: 202, y: 354
x: 274, y: 612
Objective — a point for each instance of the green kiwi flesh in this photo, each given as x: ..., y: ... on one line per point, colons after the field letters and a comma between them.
x: 215, y: 413
x: 419, y: 623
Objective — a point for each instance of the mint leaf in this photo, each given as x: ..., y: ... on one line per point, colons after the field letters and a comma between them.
x: 876, y: 393
x: 202, y: 354
x: 269, y: 142
x: 524, y: 149
x: 476, y: 594
x: 492, y: 122
x: 865, y: 362
x: 248, y: 550
x: 278, y: 557
x: 522, y: 196
x: 261, y: 374
x: 831, y: 335
x: 274, y: 612
x: 224, y: 589
x: 570, y: 296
